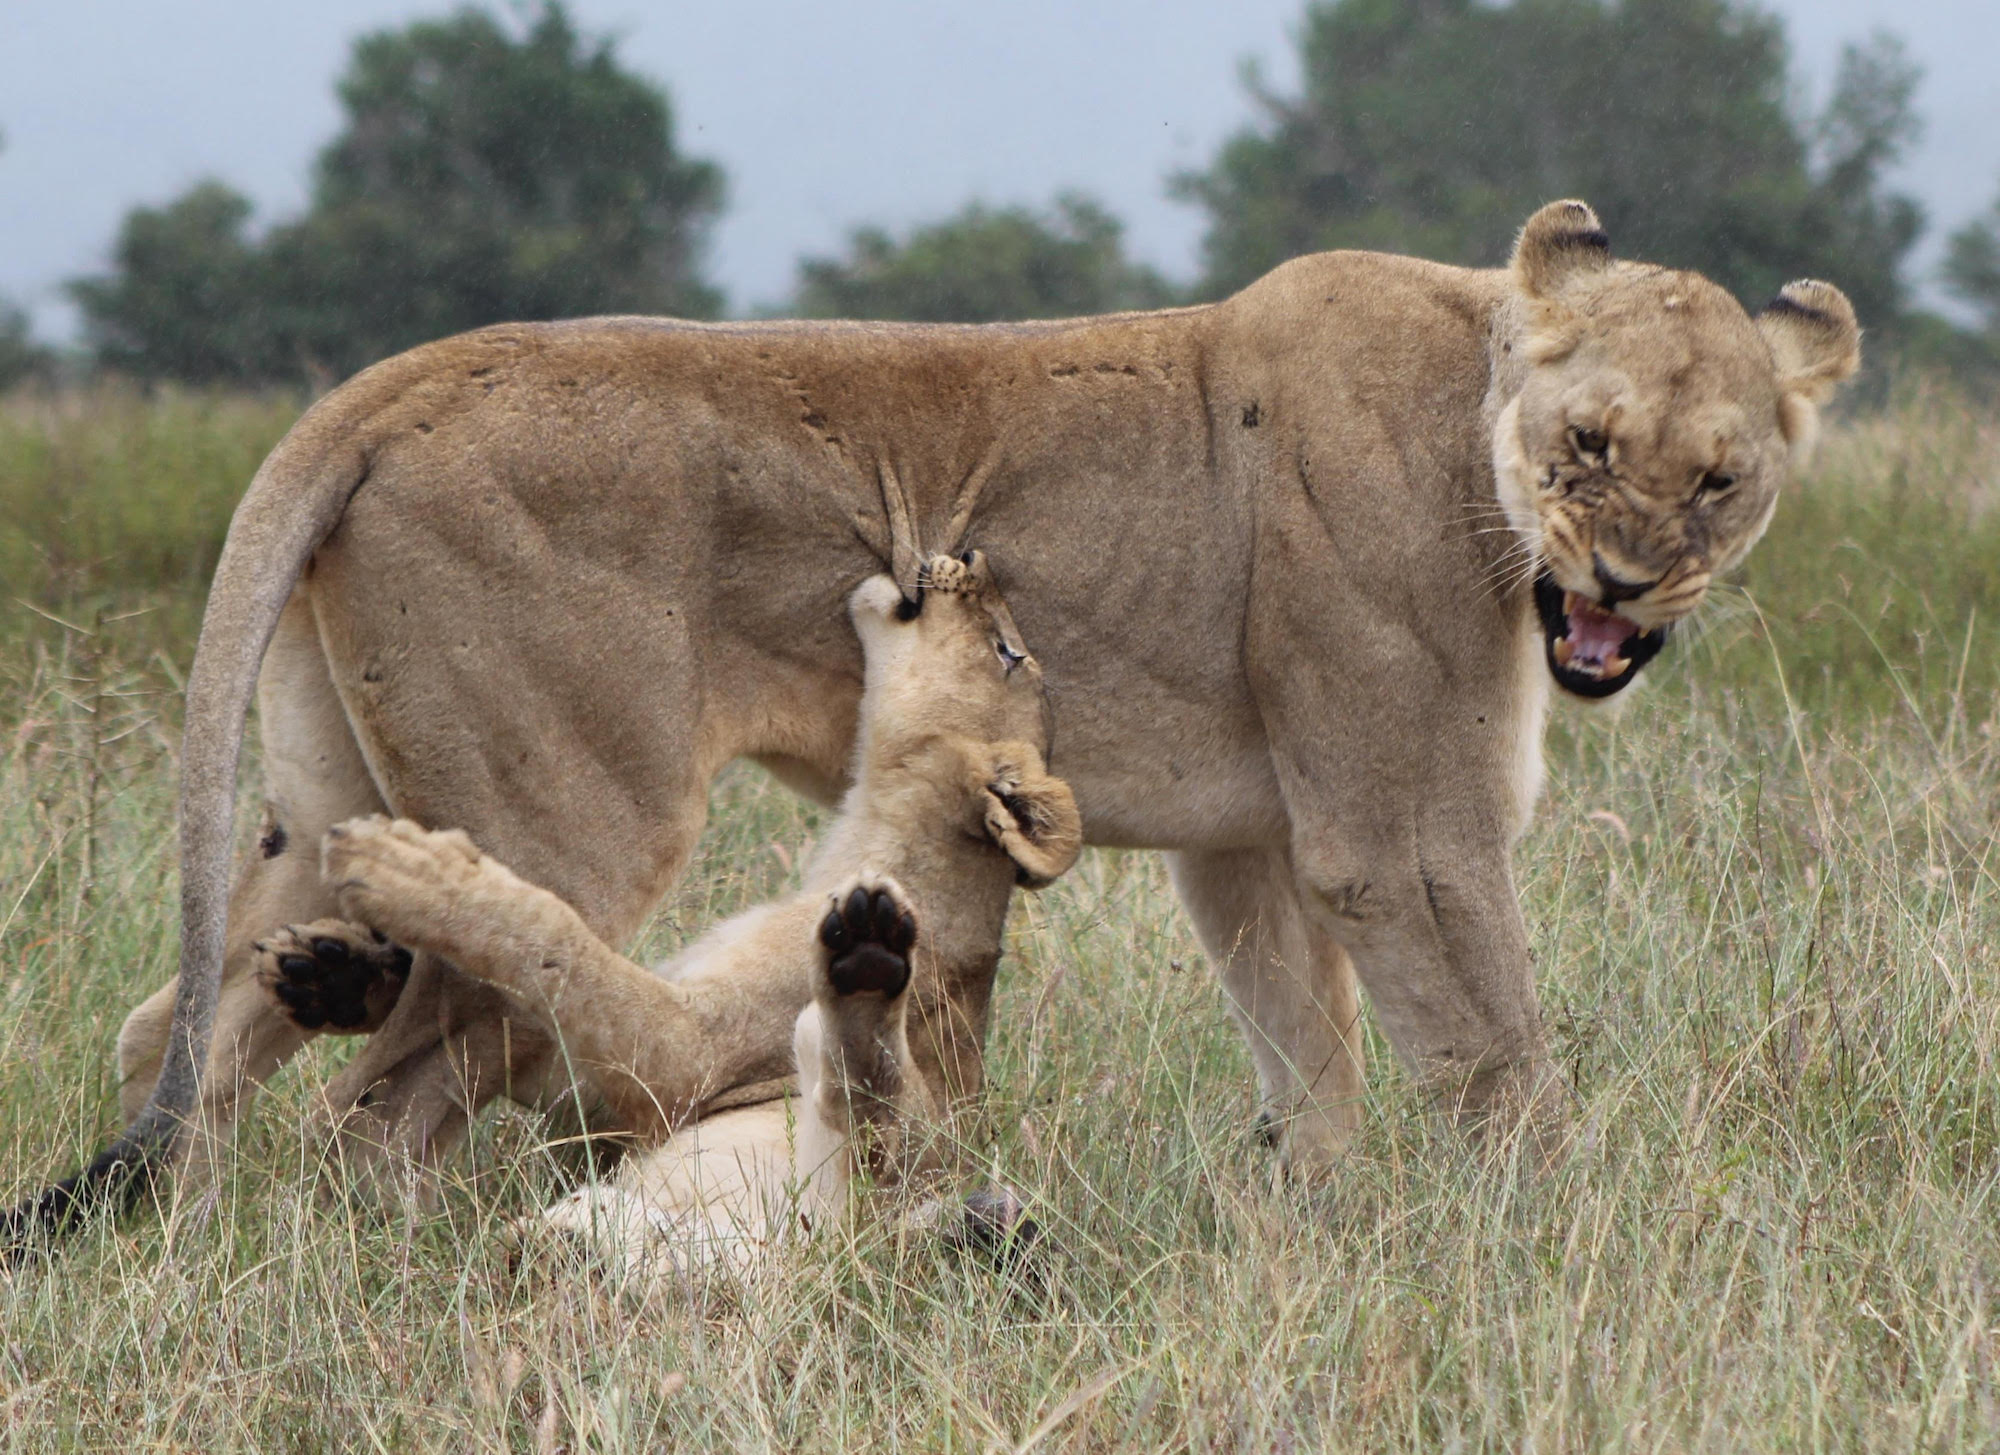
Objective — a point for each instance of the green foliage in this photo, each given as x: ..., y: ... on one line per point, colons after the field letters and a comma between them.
x: 1972, y: 273
x: 480, y: 177
x: 188, y: 298
x: 985, y: 264
x: 21, y: 358
x: 1436, y: 127
x: 115, y: 503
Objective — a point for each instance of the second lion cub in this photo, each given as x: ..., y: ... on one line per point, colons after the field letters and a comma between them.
x: 894, y: 941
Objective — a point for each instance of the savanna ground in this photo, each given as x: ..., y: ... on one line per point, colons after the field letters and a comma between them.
x: 1766, y: 918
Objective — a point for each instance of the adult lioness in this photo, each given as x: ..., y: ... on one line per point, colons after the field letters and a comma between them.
x: 543, y: 581
x: 887, y: 953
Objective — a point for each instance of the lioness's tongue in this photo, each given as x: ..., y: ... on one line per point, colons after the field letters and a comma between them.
x: 1594, y: 636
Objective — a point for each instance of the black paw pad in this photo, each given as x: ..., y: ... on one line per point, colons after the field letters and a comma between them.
x: 868, y: 937
x: 339, y: 983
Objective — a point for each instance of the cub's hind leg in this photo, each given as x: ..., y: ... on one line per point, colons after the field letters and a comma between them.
x: 866, y: 1110
x: 332, y: 975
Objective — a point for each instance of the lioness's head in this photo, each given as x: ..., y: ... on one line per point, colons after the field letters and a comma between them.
x: 951, y: 687
x: 1645, y: 448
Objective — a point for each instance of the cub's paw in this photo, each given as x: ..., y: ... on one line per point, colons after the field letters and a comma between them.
x: 407, y: 881
x: 332, y: 975
x: 994, y: 1224
x: 867, y: 935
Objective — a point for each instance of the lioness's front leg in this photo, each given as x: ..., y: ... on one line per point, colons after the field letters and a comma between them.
x: 1430, y: 914
x: 654, y: 1049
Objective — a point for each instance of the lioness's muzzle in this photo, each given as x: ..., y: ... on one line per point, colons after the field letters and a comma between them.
x: 1591, y: 651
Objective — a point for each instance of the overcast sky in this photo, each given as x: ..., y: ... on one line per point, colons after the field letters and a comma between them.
x: 824, y: 115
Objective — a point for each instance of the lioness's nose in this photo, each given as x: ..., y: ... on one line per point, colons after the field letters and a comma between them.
x: 1615, y: 588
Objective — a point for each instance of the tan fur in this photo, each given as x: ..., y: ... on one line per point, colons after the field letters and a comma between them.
x: 560, y: 574
x: 950, y: 807
x: 1605, y: 366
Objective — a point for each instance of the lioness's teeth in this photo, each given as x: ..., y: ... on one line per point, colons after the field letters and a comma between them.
x: 1563, y: 651
x: 1616, y: 665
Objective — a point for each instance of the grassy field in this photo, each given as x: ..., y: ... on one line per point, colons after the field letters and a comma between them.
x: 1766, y: 918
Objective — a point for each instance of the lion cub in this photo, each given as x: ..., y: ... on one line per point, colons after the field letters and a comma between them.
x: 895, y: 938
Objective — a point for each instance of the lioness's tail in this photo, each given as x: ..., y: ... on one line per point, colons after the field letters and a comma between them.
x: 293, y: 504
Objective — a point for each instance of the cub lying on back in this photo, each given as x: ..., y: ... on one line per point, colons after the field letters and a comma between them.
x: 904, y: 903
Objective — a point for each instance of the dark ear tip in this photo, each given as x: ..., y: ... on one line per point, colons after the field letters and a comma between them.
x: 1561, y: 239
x: 1811, y: 301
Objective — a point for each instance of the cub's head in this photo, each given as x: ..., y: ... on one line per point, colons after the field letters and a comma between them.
x: 947, y: 659
x: 953, y: 692
x: 1653, y: 427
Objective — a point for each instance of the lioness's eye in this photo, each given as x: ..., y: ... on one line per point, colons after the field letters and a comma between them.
x: 1715, y: 482
x: 1588, y: 442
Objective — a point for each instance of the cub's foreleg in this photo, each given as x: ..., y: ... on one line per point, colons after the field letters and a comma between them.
x: 865, y: 1109
x: 655, y: 1049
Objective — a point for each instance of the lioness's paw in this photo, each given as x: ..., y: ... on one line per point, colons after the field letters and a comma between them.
x: 407, y: 881
x: 332, y: 975
x: 867, y: 935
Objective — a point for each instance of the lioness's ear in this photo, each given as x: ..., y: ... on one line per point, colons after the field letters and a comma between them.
x: 1031, y: 814
x: 1815, y: 342
x: 1559, y: 244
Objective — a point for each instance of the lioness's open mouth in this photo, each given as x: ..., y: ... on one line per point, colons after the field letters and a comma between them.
x: 1591, y: 652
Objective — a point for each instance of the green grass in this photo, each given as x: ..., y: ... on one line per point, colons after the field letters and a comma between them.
x: 1766, y: 920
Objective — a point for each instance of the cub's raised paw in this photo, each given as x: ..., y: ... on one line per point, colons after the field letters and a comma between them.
x: 867, y: 936
x: 408, y: 881
x: 332, y: 975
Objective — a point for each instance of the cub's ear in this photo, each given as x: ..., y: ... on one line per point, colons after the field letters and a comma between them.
x: 1562, y: 242
x: 1814, y: 338
x: 1030, y: 814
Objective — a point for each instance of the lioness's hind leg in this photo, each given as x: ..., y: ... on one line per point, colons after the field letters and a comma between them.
x: 332, y: 975
x: 314, y: 777
x: 1293, y: 992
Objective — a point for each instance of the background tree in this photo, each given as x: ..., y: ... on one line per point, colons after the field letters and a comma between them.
x: 481, y: 176
x: 984, y: 264
x: 1972, y: 267
x: 1436, y: 126
x: 20, y: 356
x: 187, y: 297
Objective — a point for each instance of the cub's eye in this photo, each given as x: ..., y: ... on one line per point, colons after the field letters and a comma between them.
x: 1009, y: 658
x: 1589, y: 444
x: 1715, y: 482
